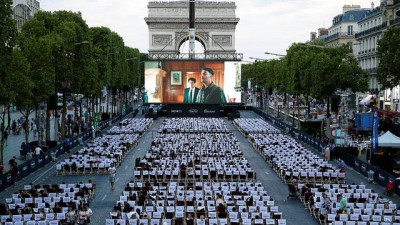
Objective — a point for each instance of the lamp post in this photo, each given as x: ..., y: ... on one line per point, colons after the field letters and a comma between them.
x: 275, y: 54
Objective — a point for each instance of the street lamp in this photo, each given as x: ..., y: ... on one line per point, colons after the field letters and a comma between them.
x: 258, y: 59
x: 82, y: 43
x: 275, y: 54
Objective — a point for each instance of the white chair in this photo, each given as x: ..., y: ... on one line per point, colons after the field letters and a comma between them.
x: 213, y: 221
x: 282, y: 222
x: 223, y: 221
x: 121, y: 222
x: 269, y: 221
x: 110, y: 221
x: 166, y: 222
x: 155, y: 221
x: 132, y: 221
x: 53, y: 222
x: 343, y: 217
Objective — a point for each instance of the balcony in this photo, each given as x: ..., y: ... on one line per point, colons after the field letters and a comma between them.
x: 371, y: 70
x: 337, y: 36
x: 376, y: 29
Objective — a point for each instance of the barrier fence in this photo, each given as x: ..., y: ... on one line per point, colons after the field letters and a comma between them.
x: 41, y: 160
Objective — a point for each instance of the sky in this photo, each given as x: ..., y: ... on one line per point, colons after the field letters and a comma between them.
x: 264, y: 26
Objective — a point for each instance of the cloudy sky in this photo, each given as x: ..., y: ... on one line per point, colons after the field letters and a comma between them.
x: 264, y: 26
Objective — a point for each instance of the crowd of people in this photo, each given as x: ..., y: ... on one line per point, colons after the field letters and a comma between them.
x: 99, y: 154
x: 49, y: 204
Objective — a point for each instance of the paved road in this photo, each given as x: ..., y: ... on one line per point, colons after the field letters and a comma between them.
x: 105, y: 199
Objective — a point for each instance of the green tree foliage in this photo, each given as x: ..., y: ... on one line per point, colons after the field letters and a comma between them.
x: 133, y: 59
x: 309, y: 70
x: 7, y: 38
x: 100, y: 37
x: 389, y: 60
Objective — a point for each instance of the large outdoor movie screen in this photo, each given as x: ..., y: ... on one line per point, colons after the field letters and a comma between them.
x: 202, y: 82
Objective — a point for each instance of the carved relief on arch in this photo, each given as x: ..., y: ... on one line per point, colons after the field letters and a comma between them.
x: 162, y: 40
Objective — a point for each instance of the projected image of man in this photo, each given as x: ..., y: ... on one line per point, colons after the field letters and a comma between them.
x: 190, y: 93
x: 210, y: 93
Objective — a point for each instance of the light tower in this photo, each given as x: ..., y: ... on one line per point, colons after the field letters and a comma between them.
x: 192, y: 29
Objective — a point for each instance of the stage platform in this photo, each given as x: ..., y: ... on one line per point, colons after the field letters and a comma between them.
x: 194, y: 110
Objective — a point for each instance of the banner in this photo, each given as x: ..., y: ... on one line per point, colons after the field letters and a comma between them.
x: 374, y: 140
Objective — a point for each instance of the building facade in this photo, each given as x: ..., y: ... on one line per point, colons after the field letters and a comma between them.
x: 371, y: 29
x: 344, y: 26
x: 24, y: 10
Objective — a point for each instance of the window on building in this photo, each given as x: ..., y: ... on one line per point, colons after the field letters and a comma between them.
x: 350, y: 30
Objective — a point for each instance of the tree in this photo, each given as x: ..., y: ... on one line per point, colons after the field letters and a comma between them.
x: 7, y: 40
x: 389, y: 60
x: 22, y: 85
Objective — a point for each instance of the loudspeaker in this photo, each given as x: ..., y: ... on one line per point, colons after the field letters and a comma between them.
x: 52, y: 102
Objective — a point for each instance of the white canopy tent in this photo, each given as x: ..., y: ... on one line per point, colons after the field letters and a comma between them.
x: 366, y: 100
x: 388, y: 140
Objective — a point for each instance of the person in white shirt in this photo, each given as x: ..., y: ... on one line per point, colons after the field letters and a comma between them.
x: 111, y: 171
x: 38, y: 150
x: 190, y: 93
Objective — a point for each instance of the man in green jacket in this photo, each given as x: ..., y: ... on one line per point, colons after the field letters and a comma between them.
x: 210, y: 93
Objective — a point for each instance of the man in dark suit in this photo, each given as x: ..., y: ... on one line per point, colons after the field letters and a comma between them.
x: 190, y: 94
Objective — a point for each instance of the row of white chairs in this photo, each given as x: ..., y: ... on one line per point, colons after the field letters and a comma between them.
x: 93, y: 158
x: 208, y: 125
x: 220, y: 221
x: 175, y: 201
x: 251, y: 125
x: 131, y: 125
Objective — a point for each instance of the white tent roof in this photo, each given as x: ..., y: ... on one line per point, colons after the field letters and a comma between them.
x: 366, y: 100
x: 388, y: 140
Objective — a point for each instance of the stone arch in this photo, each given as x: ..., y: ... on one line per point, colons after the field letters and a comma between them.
x: 186, y: 38
x: 168, y: 24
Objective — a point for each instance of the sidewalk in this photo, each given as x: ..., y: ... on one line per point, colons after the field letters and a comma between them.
x: 14, y: 141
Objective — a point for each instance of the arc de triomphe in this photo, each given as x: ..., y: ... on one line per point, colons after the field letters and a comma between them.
x: 215, y: 24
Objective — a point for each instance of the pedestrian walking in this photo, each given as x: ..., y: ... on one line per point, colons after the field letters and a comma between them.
x: 14, y: 172
x: 5, y: 137
x: 90, y: 213
x: 71, y: 216
x: 327, y: 153
x: 111, y: 171
x: 83, y: 215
